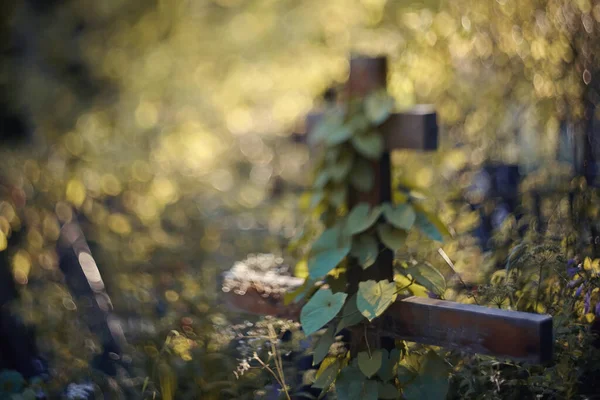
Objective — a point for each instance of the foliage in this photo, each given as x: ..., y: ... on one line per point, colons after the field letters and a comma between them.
x: 351, y: 140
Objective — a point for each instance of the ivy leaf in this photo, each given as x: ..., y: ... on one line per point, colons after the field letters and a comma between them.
x: 432, y: 380
x: 361, y: 218
x: 373, y: 298
x: 327, y: 252
x: 339, y: 135
x: 325, y: 126
x: 323, y: 345
x: 428, y: 277
x: 327, y: 373
x: 352, y: 385
x: 361, y: 175
x: 350, y: 315
x: 391, y: 237
x: 342, y: 166
x: 387, y: 391
x: 402, y: 216
x: 365, y: 249
x: 322, y: 179
x: 370, y: 144
x: 369, y: 364
x: 322, y: 307
x: 378, y: 106
x: 390, y: 360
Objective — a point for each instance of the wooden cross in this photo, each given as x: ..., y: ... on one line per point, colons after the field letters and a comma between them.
x: 502, y: 333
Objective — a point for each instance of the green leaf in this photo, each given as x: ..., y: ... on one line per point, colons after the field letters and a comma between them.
x: 370, y: 144
x: 391, y: 237
x: 378, y: 106
x: 369, y: 364
x: 323, y: 345
x: 430, y: 224
x: 428, y: 277
x: 373, y: 298
x: 330, y: 122
x: 328, y: 251
x: 322, y: 307
x: 322, y: 179
x: 362, y: 175
x: 402, y: 216
x: 352, y: 385
x: 361, y: 218
x: 432, y: 380
x: 327, y: 373
x: 340, y: 168
x: 390, y: 360
x: 350, y: 314
x: 387, y: 391
x: 339, y: 135
x: 365, y: 249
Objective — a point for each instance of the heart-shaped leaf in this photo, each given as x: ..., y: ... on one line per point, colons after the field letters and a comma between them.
x: 350, y: 315
x: 369, y: 364
x: 361, y: 175
x: 322, y: 307
x: 390, y: 360
x: 402, y: 216
x: 361, y: 218
x: 323, y: 345
x: 369, y: 144
x: 339, y: 135
x: 327, y: 372
x: 428, y: 277
x: 326, y: 125
x: 340, y: 168
x: 378, y: 106
x: 432, y: 380
x: 391, y: 237
x: 365, y: 249
x: 328, y: 251
x: 373, y: 298
x: 322, y: 179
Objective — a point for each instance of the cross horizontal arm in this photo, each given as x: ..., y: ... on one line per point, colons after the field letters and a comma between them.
x: 475, y: 329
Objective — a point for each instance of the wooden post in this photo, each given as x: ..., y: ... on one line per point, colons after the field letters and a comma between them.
x: 502, y: 333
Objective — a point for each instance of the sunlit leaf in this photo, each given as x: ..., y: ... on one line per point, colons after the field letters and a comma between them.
x: 322, y: 307
x: 378, y: 106
x: 339, y: 135
x: 373, y: 298
x: 327, y: 372
x: 369, y: 144
x: 391, y: 237
x: 366, y: 249
x: 429, y: 277
x: 402, y: 216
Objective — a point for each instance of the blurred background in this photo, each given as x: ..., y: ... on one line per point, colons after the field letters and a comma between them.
x: 166, y: 133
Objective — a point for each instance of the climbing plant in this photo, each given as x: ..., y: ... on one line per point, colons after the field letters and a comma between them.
x: 349, y: 141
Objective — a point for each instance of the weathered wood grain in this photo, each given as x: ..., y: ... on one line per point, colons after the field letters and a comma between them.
x: 506, y: 334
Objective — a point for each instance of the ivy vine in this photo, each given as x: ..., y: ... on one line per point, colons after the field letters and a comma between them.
x: 350, y: 139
